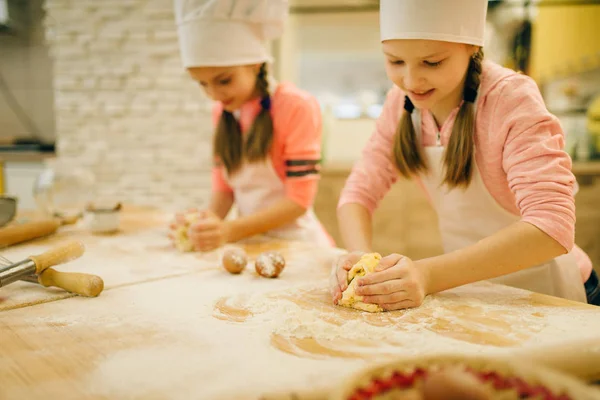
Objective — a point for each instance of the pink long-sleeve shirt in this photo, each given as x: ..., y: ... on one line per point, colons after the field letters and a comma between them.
x: 519, y: 154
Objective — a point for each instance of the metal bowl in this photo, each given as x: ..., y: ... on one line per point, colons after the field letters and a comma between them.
x: 8, y: 209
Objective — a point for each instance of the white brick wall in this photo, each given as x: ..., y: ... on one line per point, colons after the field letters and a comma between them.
x: 125, y: 108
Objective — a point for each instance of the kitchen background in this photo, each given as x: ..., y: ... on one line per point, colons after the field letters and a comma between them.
x: 96, y: 88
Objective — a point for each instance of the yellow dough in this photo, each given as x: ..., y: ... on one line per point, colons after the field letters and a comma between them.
x: 366, y: 265
x: 181, y: 239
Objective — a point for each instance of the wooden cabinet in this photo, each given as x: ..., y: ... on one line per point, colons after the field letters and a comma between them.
x: 587, y: 227
x: 405, y: 222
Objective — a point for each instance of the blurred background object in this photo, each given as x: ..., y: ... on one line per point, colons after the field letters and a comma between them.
x: 64, y: 192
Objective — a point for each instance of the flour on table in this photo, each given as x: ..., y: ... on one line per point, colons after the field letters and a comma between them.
x: 418, y: 330
x: 144, y: 371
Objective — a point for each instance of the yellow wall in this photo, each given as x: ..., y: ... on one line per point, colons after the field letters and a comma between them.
x: 562, y: 38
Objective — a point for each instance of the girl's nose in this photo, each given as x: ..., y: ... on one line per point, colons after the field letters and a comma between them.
x: 412, y: 79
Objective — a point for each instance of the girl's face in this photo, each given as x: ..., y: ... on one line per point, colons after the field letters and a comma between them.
x: 232, y: 86
x: 432, y: 73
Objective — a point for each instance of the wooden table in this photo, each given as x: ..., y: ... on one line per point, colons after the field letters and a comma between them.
x: 171, y: 325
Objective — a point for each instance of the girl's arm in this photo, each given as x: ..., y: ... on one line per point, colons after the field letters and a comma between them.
x: 371, y: 178
x: 355, y: 227
x: 512, y: 249
x: 283, y: 212
x: 222, y: 196
x: 221, y: 203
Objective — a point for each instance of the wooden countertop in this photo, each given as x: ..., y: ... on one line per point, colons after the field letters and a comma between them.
x: 24, y: 156
x: 172, y: 325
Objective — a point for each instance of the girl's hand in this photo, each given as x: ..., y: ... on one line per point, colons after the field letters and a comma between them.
x: 209, y: 232
x: 338, y: 280
x: 395, y: 284
x: 179, y: 221
x: 179, y: 218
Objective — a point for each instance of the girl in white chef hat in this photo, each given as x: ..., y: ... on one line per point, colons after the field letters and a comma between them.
x: 267, y: 141
x: 480, y: 142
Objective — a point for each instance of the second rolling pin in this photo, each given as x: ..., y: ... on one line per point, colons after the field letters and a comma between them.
x: 22, y: 232
x: 74, y: 282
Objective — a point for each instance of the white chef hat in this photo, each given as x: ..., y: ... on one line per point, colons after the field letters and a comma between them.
x: 460, y: 21
x: 228, y: 32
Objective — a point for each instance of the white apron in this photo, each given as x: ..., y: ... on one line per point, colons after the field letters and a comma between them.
x: 257, y: 186
x: 466, y: 216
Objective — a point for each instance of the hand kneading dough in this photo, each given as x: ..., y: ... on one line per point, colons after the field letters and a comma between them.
x: 366, y: 265
x: 182, y: 241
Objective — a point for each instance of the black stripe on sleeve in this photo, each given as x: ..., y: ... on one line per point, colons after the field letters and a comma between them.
x: 296, y: 163
x: 291, y: 174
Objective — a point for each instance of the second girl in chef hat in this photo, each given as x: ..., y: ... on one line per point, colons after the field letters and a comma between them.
x: 267, y: 141
x: 479, y: 140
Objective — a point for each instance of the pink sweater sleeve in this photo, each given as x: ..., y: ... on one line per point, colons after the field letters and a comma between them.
x: 538, y: 169
x: 373, y: 175
x: 219, y: 184
x: 299, y: 121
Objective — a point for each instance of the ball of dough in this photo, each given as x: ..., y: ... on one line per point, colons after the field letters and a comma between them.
x: 366, y: 265
x: 234, y: 260
x: 454, y: 384
x: 269, y: 264
x: 180, y: 234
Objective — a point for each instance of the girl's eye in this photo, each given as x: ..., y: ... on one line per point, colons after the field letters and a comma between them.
x: 225, y: 81
x: 433, y: 64
x: 397, y: 62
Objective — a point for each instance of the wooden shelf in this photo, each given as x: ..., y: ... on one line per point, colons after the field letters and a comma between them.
x: 25, y: 156
x: 580, y: 168
x: 587, y: 168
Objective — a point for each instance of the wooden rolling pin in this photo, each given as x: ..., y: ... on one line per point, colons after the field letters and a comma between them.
x: 63, y: 253
x: 74, y: 282
x: 37, y: 269
x: 37, y: 264
x: 18, y: 233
